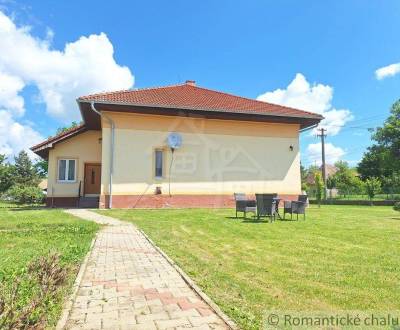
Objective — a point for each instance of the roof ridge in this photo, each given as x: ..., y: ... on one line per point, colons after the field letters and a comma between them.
x: 129, y: 90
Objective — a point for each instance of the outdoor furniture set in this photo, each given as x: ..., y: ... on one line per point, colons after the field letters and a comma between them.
x: 267, y: 205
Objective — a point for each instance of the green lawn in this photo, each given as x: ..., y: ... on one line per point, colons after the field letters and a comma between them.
x: 28, y: 234
x: 340, y: 258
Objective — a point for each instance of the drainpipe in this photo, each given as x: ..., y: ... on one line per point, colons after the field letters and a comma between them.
x: 111, y: 151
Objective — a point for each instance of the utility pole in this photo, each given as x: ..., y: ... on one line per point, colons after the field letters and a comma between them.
x: 323, y: 136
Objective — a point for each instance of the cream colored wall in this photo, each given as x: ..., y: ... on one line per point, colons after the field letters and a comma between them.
x: 216, y: 157
x: 85, y: 148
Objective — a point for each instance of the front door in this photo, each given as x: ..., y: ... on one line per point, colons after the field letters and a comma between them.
x: 92, y: 179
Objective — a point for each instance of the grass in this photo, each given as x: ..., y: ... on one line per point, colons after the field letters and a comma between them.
x: 26, y: 234
x: 340, y: 258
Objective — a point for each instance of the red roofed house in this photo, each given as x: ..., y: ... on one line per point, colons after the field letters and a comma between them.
x: 181, y: 145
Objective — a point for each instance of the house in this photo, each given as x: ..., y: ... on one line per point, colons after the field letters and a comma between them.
x: 121, y: 155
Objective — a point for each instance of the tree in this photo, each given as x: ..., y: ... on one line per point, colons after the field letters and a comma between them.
x: 303, y: 175
x: 66, y: 128
x: 24, y: 171
x: 319, y: 187
x: 6, y: 174
x: 376, y: 162
x: 41, y: 167
x: 383, y: 158
x: 331, y: 184
x: 344, y: 178
x: 372, y: 187
x: 391, y: 184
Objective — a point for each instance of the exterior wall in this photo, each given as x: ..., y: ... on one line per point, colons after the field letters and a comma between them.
x: 217, y: 157
x: 85, y: 148
x: 177, y: 201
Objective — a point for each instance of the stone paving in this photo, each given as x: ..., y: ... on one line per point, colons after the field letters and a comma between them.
x: 128, y: 284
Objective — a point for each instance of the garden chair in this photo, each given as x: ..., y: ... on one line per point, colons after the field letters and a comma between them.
x: 266, y: 206
x: 296, y: 207
x: 243, y: 204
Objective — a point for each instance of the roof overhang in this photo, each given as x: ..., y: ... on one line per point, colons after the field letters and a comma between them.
x: 92, y: 120
x: 42, y: 149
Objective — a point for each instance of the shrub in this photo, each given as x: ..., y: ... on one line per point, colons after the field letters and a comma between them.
x: 396, y: 206
x: 25, y: 194
x: 25, y: 304
x: 372, y: 187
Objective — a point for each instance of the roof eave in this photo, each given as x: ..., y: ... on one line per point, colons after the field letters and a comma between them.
x: 42, y: 149
x: 306, y: 116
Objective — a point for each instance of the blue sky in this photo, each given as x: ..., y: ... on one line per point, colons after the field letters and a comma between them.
x: 246, y: 48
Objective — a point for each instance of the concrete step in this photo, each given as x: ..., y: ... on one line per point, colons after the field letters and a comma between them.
x: 89, y: 202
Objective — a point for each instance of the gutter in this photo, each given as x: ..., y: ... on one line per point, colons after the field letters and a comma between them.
x: 308, y: 128
x: 306, y: 115
x: 111, y: 149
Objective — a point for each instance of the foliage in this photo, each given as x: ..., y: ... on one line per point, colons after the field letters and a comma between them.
x: 304, y: 174
x: 319, y: 187
x: 331, y: 182
x: 42, y: 167
x: 372, y: 187
x: 6, y: 174
x: 346, y: 180
x: 24, y: 171
x: 46, y: 275
x: 20, y: 179
x: 383, y: 158
x: 307, y: 265
x: 391, y: 183
x: 26, y: 235
x: 396, y: 206
x: 66, y: 128
x: 22, y: 194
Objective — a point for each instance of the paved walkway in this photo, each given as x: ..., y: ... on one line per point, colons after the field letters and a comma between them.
x: 128, y: 284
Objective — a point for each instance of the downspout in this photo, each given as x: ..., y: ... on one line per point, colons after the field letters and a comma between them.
x: 111, y: 151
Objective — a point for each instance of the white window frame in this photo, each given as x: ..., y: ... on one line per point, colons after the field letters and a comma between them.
x: 67, y: 160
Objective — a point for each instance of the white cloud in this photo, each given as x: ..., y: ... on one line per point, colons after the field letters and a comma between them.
x: 15, y: 136
x: 10, y: 87
x: 315, y: 98
x: 84, y: 66
x: 387, y: 71
x: 332, y: 153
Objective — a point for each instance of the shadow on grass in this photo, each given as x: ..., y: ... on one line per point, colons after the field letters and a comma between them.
x: 27, y: 208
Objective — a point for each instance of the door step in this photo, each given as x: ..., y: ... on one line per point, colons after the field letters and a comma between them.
x: 88, y: 202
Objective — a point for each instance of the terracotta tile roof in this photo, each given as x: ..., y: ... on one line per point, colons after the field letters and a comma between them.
x: 189, y: 96
x: 57, y: 138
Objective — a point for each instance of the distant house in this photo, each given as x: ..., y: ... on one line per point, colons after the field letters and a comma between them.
x: 330, y: 170
x: 121, y: 155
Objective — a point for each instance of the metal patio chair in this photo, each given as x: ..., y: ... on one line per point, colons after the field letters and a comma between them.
x: 266, y: 206
x: 243, y: 204
x: 296, y: 207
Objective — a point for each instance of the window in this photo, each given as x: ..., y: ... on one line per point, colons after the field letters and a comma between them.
x: 66, y: 170
x: 159, y: 155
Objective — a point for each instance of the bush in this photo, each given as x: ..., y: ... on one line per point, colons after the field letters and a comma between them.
x: 396, y: 206
x: 372, y: 187
x: 25, y: 304
x: 25, y: 194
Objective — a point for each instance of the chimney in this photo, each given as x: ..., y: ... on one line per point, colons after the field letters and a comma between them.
x: 190, y: 82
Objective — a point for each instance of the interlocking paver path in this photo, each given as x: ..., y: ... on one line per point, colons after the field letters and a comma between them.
x: 128, y: 284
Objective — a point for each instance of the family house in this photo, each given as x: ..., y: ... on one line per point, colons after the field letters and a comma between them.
x: 179, y: 146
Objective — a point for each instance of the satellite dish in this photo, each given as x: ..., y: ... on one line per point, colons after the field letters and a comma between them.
x: 174, y: 140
